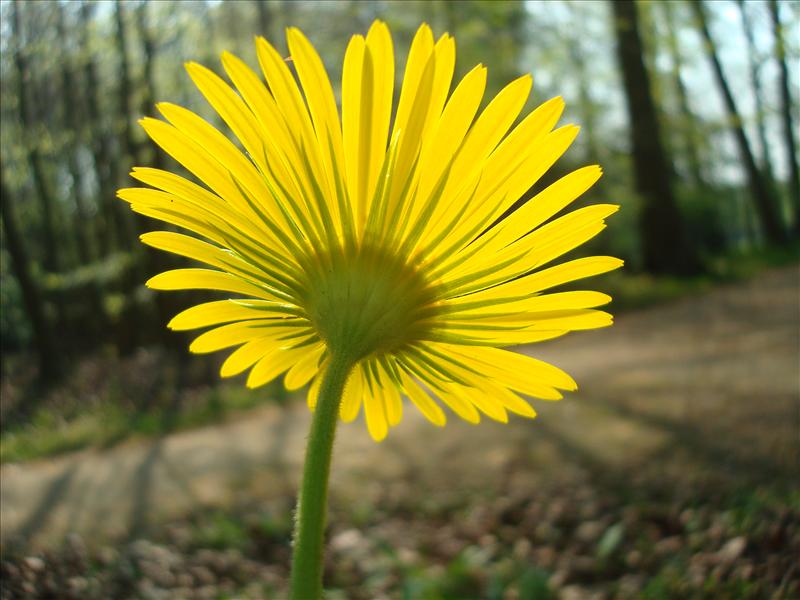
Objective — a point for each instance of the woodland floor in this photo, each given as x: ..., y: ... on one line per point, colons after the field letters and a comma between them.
x: 672, y: 472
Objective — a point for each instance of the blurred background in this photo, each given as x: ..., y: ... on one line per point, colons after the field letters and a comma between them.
x: 130, y: 470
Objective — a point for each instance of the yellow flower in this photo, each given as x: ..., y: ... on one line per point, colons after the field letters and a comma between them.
x: 379, y: 237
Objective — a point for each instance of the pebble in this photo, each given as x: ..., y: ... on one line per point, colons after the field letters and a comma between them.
x: 589, y: 532
x: 668, y: 546
x: 202, y: 575
x: 34, y: 564
x: 732, y: 550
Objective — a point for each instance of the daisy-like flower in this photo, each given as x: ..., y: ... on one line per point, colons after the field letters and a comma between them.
x: 376, y: 239
x: 373, y: 256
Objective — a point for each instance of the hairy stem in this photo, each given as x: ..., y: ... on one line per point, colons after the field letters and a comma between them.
x: 309, y: 528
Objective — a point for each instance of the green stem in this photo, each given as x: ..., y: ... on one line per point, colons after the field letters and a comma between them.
x: 309, y: 528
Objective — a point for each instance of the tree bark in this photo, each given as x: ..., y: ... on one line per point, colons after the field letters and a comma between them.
x: 765, y: 204
x: 665, y: 246
x: 113, y: 232
x: 586, y: 105
x: 264, y: 20
x: 27, y: 121
x: 754, y: 68
x: 148, y: 98
x: 786, y: 114
x: 693, y: 161
x: 32, y: 299
x: 73, y: 124
x: 124, y: 91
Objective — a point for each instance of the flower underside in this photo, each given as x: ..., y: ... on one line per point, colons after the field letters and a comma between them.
x: 369, y: 302
x: 376, y: 238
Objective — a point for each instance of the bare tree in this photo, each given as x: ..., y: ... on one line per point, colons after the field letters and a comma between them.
x: 664, y: 242
x: 113, y: 233
x: 759, y: 190
x: 148, y: 98
x: 72, y: 121
x: 586, y: 105
x: 31, y: 298
x: 689, y: 120
x: 27, y: 121
x: 265, y: 19
x: 786, y: 113
x: 124, y: 90
x: 754, y: 67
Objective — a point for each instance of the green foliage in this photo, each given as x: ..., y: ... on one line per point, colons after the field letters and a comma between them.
x: 221, y: 531
x: 610, y: 541
x: 51, y: 430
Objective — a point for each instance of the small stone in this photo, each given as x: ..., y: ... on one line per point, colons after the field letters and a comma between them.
x: 347, y: 540
x: 522, y: 548
x: 745, y: 572
x: 107, y: 556
x: 207, y: 592
x: 76, y: 545
x: 668, y: 546
x: 545, y: 557
x: 577, y: 592
x: 77, y: 585
x: 34, y: 564
x: 589, y: 532
x: 630, y: 586
x: 558, y: 579
x: 633, y: 559
x: 732, y: 550
x: 546, y: 532
x: 697, y: 574
x: 583, y: 565
x: 202, y: 575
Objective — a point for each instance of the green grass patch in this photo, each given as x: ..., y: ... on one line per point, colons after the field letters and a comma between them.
x: 107, y: 423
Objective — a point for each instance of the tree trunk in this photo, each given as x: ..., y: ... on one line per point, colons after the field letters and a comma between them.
x: 665, y: 247
x: 51, y: 262
x: 148, y: 98
x: 32, y: 299
x: 124, y: 90
x: 754, y: 68
x: 759, y: 190
x: 113, y: 231
x: 693, y: 162
x: 264, y: 20
x: 786, y: 113
x: 586, y: 105
x: 72, y: 123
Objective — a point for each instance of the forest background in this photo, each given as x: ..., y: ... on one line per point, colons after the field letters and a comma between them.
x: 691, y: 108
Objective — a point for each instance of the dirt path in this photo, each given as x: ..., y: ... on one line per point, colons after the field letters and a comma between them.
x: 707, y: 387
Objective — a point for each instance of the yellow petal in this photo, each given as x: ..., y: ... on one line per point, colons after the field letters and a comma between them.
x: 503, y: 365
x: 391, y: 398
x: 227, y: 336
x: 353, y: 393
x: 250, y: 353
x: 206, y: 279
x: 543, y: 206
x: 375, y: 415
x: 304, y: 369
x: 313, y: 389
x: 272, y: 365
x: 214, y: 313
x: 422, y: 401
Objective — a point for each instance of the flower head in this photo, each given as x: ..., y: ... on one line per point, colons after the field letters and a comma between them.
x: 380, y: 237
